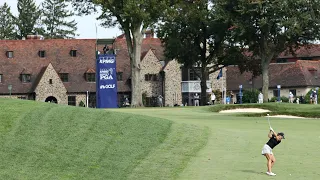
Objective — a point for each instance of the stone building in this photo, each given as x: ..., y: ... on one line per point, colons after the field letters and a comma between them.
x: 63, y: 70
x: 297, y: 73
x: 158, y: 76
x: 53, y: 70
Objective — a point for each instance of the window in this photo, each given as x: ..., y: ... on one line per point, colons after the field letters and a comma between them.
x: 72, y: 100
x: 275, y: 92
x: 50, y: 81
x: 150, y: 101
x: 150, y: 77
x: 22, y: 97
x: 193, y: 76
x: 25, y: 78
x: 119, y: 76
x: 91, y: 77
x: 294, y: 91
x: 42, y: 54
x: 73, y: 53
x: 64, y: 77
x: 0, y: 78
x: 9, y: 54
x: 282, y: 60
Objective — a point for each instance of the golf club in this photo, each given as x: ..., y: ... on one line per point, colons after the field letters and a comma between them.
x: 269, y: 120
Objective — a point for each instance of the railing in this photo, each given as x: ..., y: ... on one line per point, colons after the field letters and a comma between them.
x: 193, y: 86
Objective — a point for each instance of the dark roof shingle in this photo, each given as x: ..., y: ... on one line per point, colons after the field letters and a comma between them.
x: 285, y: 74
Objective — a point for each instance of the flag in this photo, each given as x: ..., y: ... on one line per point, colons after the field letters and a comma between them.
x: 219, y: 75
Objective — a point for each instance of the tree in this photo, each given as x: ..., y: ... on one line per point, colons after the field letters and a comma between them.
x: 54, y: 17
x: 193, y: 34
x: 7, y: 29
x: 267, y: 28
x: 27, y: 19
x: 133, y: 17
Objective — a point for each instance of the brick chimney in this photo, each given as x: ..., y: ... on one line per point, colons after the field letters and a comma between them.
x: 39, y: 37
x: 149, y: 34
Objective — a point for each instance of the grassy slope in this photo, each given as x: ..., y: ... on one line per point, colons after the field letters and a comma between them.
x: 234, y: 147
x: 48, y: 141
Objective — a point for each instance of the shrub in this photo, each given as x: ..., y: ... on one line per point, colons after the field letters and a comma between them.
x: 144, y: 98
x: 218, y: 95
x: 250, y: 96
x: 81, y: 104
x: 282, y: 98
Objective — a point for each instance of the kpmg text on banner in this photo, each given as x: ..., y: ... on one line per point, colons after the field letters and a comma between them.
x: 106, y: 81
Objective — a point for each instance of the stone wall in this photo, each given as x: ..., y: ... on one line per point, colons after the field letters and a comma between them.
x: 14, y: 96
x: 285, y: 91
x: 217, y: 84
x: 44, y: 89
x: 79, y: 97
x: 172, y: 87
x: 151, y: 65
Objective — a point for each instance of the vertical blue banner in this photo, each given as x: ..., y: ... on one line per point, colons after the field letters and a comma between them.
x: 106, y: 90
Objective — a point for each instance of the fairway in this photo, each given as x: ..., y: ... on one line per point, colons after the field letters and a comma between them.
x: 233, y: 150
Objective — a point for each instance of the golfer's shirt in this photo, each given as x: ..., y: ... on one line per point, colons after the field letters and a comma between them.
x: 273, y: 142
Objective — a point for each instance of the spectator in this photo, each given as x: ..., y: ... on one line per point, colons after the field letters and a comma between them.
x: 196, y: 99
x: 291, y: 97
x: 315, y: 97
x: 260, y: 98
x: 213, y: 98
x: 160, y: 101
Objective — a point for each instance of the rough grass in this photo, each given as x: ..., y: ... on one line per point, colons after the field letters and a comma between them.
x: 48, y: 141
x: 303, y: 110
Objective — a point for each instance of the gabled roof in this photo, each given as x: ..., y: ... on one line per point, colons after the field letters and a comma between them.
x: 296, y: 74
x: 26, y: 59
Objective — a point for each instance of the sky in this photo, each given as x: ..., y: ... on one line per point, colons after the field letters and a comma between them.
x: 86, y: 24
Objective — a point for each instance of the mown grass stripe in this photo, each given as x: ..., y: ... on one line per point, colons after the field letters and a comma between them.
x: 171, y: 157
x: 48, y: 141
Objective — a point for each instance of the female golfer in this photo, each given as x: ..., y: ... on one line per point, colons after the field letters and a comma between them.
x: 274, y: 140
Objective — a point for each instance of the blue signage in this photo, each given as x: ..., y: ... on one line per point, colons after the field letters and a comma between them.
x: 106, y: 90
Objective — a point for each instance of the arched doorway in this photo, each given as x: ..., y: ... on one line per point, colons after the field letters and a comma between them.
x: 51, y: 99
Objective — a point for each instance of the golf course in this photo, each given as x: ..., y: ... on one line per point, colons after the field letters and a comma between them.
x: 50, y: 141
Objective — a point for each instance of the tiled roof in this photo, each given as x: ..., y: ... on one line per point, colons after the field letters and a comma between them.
x: 26, y: 60
x: 296, y: 74
x: 312, y: 50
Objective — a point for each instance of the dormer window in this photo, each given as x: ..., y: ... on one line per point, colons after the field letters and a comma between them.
x: 25, y: 78
x: 0, y: 78
x: 64, y: 77
x: 119, y: 76
x: 91, y: 77
x: 42, y: 54
x: 73, y: 53
x: 9, y: 54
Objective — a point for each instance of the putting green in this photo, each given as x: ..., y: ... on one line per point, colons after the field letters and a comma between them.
x: 233, y: 150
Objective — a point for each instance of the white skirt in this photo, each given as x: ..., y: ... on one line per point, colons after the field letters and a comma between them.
x: 266, y: 150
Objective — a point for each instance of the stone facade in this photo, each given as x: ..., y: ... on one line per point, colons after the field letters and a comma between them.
x: 79, y: 98
x: 217, y: 84
x: 285, y: 91
x: 50, y: 84
x: 15, y: 96
x: 172, y: 86
x: 151, y: 65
